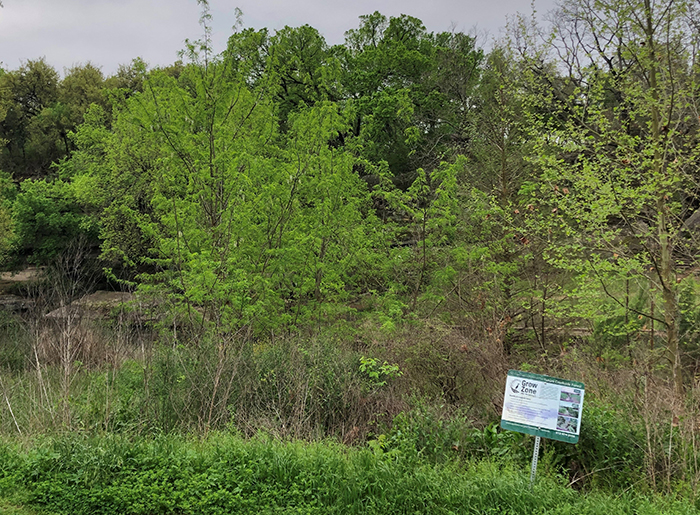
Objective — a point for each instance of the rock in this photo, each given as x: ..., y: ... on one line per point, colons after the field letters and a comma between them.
x: 98, y: 305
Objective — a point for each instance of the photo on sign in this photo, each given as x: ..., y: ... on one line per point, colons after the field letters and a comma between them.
x: 569, y: 411
x: 571, y: 396
x: 567, y: 424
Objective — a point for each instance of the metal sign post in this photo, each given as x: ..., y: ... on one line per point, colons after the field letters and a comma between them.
x: 535, y: 457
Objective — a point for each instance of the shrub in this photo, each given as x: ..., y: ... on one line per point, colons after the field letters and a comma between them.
x: 48, y: 217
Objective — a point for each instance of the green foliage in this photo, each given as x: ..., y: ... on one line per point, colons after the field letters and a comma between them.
x: 225, y: 474
x: 26, y: 92
x: 427, y: 434
x: 302, y: 69
x: 610, y: 453
x: 219, y: 210
x: 616, y: 146
x: 48, y: 217
x: 390, y: 310
x: 446, y: 209
x: 378, y: 374
x: 7, y: 226
x: 127, y: 81
x: 411, y: 89
x: 39, y: 111
x: 81, y: 88
x: 498, y: 131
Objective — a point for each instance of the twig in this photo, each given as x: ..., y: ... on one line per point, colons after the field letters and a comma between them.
x: 7, y: 400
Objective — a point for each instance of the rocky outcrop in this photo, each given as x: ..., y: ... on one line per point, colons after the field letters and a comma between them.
x: 98, y: 305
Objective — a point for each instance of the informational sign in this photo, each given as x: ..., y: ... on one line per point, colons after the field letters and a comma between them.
x: 543, y: 406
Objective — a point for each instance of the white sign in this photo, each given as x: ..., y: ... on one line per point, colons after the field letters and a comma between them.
x: 543, y: 406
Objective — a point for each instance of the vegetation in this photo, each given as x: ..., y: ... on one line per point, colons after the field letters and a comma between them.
x: 226, y: 474
x: 349, y: 246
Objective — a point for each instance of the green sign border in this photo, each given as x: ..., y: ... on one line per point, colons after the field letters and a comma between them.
x: 552, y: 434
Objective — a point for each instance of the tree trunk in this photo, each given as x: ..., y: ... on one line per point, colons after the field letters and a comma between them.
x: 666, y: 272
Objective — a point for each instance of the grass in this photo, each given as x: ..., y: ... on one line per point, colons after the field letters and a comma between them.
x: 6, y: 508
x: 225, y: 474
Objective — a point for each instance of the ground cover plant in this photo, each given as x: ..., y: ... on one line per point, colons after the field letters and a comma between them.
x: 227, y: 474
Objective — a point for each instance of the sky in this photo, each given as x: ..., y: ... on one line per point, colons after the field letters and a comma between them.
x: 108, y: 33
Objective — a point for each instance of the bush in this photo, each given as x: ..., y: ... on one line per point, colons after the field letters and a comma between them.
x: 48, y: 217
x: 610, y: 452
x: 440, y: 435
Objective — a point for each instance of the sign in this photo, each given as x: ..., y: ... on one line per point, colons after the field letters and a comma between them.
x: 543, y: 406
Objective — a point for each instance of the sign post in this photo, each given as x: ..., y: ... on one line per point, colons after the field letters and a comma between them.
x: 542, y: 406
x: 535, y: 457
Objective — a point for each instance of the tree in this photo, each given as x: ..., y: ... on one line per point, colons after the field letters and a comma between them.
x: 241, y: 226
x: 616, y: 143
x: 48, y: 219
x: 384, y: 60
x: 39, y: 111
x: 81, y: 87
x: 304, y: 70
x: 7, y: 191
x: 129, y: 78
x: 497, y: 131
x: 25, y: 94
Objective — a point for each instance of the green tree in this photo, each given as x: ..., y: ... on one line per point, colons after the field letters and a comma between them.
x: 48, y: 218
x: 498, y: 135
x: 129, y: 78
x: 617, y: 146
x: 412, y: 92
x: 39, y: 111
x: 7, y: 193
x: 25, y: 94
x: 208, y: 202
x: 81, y: 87
x: 304, y: 69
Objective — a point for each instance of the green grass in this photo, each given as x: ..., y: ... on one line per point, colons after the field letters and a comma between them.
x: 226, y: 474
x: 6, y: 508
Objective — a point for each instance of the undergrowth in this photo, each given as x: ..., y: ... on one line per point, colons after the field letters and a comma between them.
x: 226, y: 473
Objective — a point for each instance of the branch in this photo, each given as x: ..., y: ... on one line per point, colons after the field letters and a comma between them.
x: 620, y: 303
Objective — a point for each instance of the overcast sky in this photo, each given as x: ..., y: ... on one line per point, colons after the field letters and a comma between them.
x: 112, y: 32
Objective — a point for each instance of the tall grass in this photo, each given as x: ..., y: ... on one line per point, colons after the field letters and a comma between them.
x: 310, y: 387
